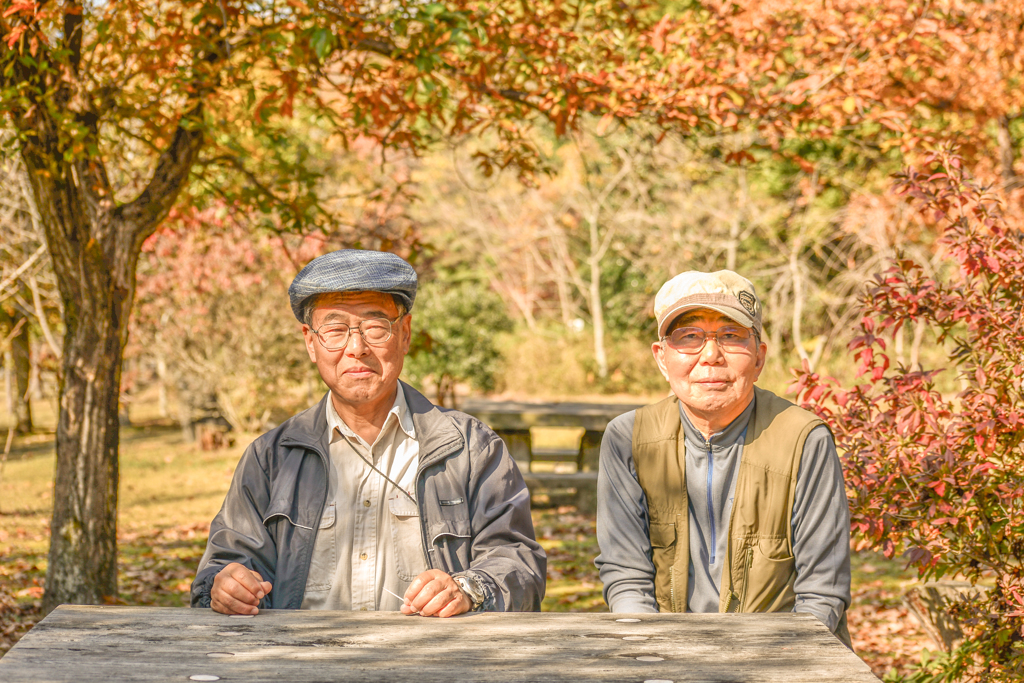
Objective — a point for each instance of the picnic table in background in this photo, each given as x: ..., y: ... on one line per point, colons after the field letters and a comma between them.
x: 513, y: 421
x: 100, y: 644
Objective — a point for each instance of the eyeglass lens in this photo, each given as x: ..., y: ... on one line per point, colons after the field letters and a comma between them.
x: 374, y: 331
x: 692, y: 339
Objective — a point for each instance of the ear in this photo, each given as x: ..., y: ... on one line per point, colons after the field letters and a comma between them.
x: 762, y: 354
x: 310, y: 339
x: 658, y: 349
x: 405, y: 333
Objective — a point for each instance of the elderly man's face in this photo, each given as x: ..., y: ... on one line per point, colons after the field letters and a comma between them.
x: 359, y: 374
x: 715, y: 384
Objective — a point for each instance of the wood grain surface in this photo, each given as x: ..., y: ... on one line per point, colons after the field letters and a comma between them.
x: 86, y: 644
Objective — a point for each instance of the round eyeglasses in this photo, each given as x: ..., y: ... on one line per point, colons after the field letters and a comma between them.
x: 374, y: 331
x: 692, y: 339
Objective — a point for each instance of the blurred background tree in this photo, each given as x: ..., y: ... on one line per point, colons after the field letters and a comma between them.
x: 454, y: 330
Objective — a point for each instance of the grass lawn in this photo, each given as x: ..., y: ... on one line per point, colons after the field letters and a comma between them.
x: 169, y: 492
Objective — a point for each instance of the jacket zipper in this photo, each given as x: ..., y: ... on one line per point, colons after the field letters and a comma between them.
x: 711, y: 507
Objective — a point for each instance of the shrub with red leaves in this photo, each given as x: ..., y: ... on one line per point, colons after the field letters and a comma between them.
x: 940, y: 479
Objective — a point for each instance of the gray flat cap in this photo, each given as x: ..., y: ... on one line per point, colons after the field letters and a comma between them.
x: 354, y: 270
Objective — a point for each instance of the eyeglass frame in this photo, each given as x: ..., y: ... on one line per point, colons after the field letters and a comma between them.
x: 711, y: 335
x: 359, y: 328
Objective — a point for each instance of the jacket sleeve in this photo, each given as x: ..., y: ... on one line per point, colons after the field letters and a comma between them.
x: 505, y: 560
x: 821, y: 532
x: 625, y: 564
x: 237, y: 533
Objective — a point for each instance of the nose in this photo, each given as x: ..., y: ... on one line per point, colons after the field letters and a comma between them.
x: 356, y: 346
x: 712, y: 351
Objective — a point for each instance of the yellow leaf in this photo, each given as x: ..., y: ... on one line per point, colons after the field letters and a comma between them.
x: 849, y: 105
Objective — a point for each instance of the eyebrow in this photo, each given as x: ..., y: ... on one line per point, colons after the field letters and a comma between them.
x: 337, y: 317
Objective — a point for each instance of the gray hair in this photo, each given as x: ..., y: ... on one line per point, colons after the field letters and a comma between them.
x: 311, y: 303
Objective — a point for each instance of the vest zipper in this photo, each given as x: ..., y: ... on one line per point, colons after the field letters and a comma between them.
x: 711, y: 507
x: 672, y: 587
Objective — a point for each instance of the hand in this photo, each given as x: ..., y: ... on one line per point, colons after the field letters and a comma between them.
x: 435, y: 594
x: 238, y: 590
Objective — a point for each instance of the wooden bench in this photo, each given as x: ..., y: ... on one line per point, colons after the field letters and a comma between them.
x: 513, y: 421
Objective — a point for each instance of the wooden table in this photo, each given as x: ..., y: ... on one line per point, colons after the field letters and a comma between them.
x: 512, y: 420
x: 101, y: 644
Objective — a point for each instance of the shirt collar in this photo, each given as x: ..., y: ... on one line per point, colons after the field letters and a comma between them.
x: 399, y: 413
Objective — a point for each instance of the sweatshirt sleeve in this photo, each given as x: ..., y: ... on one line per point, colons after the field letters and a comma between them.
x: 624, y: 563
x: 821, y: 532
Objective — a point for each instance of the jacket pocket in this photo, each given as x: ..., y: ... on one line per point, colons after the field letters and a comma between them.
x: 663, y: 555
x: 406, y: 535
x: 324, y: 562
x: 450, y: 541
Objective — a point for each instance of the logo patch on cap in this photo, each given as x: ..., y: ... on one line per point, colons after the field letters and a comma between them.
x: 748, y: 301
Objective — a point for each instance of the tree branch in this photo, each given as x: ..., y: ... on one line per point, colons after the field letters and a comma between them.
x: 141, y: 216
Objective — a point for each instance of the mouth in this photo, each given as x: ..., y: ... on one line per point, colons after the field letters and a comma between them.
x: 359, y: 372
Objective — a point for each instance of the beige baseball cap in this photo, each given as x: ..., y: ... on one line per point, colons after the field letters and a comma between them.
x: 723, y: 291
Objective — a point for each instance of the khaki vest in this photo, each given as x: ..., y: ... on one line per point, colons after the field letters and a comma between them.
x: 759, y: 569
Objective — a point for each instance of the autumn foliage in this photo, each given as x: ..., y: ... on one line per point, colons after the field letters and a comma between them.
x: 936, y: 478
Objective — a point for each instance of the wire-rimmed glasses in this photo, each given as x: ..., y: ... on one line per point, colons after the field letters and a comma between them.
x: 732, y: 338
x: 374, y: 331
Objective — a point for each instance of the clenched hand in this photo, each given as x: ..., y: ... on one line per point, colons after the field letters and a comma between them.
x: 238, y: 590
x: 435, y: 594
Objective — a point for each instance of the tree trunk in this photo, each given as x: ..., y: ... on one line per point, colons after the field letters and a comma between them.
x: 798, y: 303
x: 1007, y: 153
x: 19, y: 369
x: 94, y: 245
x: 596, y: 304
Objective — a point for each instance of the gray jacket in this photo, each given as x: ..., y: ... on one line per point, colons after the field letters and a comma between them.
x: 474, y: 509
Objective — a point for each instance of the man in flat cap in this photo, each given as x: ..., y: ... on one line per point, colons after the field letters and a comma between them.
x: 373, y: 499
x: 723, y: 497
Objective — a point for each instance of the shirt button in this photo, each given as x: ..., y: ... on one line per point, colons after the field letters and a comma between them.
x: 366, y: 503
x: 362, y: 556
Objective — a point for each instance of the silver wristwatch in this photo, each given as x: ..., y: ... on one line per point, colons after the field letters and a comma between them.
x: 472, y: 590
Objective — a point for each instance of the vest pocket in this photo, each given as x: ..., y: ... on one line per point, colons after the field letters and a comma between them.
x: 663, y: 552
x: 324, y: 562
x: 407, y: 537
x: 772, y: 570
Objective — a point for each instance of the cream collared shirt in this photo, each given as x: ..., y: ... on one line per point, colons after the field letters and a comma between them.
x: 369, y: 537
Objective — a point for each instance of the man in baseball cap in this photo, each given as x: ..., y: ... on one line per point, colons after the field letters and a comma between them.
x: 373, y: 499
x: 723, y: 497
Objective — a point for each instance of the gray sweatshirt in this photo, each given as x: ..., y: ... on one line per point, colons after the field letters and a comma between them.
x: 821, y: 521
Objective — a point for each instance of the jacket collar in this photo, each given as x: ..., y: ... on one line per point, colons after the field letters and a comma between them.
x: 309, y: 428
x: 437, y: 435
x: 436, y: 432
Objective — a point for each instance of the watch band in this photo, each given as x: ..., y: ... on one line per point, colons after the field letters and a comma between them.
x: 472, y: 590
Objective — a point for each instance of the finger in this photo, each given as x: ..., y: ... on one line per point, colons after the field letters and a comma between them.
x: 441, y: 600
x: 245, y: 577
x: 457, y: 606
x: 222, y: 600
x: 419, y: 582
x: 427, y: 593
x: 242, y: 592
x: 228, y: 605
